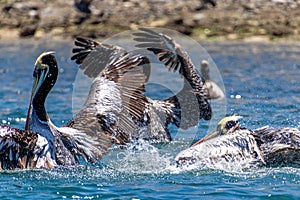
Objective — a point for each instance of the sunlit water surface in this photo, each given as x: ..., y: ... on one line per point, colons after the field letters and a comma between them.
x: 262, y: 84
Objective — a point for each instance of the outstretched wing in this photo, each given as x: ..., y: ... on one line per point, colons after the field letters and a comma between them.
x: 115, y: 99
x: 93, y: 56
x: 167, y: 50
x: 176, y: 58
x: 21, y: 149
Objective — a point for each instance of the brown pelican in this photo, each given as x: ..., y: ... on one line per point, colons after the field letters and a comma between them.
x: 94, y: 57
x: 232, y: 146
x: 210, y: 86
x: 102, y: 121
x: 23, y: 148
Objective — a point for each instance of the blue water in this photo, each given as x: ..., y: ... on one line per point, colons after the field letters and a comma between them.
x: 262, y: 84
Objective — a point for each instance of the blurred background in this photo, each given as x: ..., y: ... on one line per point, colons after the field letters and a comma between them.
x: 250, y: 20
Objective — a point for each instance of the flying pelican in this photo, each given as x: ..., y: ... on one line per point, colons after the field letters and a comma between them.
x: 235, y: 146
x: 103, y: 120
x: 94, y: 56
x: 211, y: 87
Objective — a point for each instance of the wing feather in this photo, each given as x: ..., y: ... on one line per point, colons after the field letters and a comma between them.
x: 176, y: 58
x: 115, y: 100
x: 93, y: 56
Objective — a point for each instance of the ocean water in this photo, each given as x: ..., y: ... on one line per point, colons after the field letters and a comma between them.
x: 261, y: 82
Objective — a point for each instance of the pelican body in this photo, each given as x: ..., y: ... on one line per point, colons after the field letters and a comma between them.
x: 23, y: 149
x: 233, y: 147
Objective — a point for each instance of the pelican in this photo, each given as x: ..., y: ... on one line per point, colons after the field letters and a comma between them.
x: 23, y: 148
x: 211, y: 87
x: 231, y: 145
x: 103, y: 120
x: 93, y: 56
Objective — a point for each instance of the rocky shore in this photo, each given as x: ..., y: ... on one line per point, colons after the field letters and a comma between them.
x: 250, y: 20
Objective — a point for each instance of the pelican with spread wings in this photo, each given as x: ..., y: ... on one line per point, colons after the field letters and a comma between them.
x: 93, y: 56
x: 105, y: 119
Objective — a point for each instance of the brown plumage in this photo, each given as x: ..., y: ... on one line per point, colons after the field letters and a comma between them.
x: 121, y: 85
x: 105, y: 118
x: 279, y: 146
x: 23, y: 149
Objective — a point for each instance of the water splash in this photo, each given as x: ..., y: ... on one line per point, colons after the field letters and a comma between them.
x: 139, y: 157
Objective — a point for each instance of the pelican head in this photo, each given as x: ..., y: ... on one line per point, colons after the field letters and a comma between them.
x: 45, y: 74
x: 204, y: 68
x: 226, y: 126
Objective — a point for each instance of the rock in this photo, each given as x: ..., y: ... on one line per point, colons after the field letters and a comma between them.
x: 226, y: 18
x: 27, y: 31
x: 83, y: 5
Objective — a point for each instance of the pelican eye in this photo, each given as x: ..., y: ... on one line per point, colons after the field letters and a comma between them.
x: 38, y: 68
x: 36, y: 72
x: 230, y: 124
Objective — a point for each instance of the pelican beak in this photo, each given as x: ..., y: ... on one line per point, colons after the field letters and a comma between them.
x: 210, y: 135
x: 40, y: 72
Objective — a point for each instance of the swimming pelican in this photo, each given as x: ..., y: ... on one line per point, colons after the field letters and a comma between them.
x: 23, y: 148
x: 94, y: 56
x: 210, y: 86
x: 101, y: 122
x: 230, y: 145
